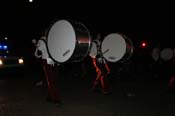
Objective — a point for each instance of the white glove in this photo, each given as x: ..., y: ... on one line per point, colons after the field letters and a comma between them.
x: 50, y: 61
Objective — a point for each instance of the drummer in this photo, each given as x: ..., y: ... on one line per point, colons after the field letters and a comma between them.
x: 50, y: 69
x: 102, y: 69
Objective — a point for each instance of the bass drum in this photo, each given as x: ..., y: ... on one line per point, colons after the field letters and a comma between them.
x: 117, y: 47
x: 68, y: 41
x: 155, y: 54
x: 166, y: 54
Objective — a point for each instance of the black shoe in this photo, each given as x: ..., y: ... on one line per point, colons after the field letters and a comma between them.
x: 107, y: 93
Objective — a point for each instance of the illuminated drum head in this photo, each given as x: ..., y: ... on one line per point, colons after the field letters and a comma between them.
x: 113, y: 47
x: 166, y: 54
x: 61, y: 41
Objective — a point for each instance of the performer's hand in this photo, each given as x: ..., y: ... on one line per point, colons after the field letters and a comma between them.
x: 50, y: 61
x: 108, y: 72
x: 98, y: 71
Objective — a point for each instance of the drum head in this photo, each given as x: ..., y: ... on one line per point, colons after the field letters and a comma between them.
x: 166, y: 54
x: 61, y: 41
x: 155, y: 54
x: 113, y: 47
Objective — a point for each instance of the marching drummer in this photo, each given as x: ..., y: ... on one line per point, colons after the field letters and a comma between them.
x: 50, y: 70
x: 102, y: 68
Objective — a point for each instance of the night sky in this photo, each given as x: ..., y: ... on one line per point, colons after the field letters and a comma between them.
x: 22, y: 21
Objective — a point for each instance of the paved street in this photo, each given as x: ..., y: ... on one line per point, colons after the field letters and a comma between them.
x: 131, y: 97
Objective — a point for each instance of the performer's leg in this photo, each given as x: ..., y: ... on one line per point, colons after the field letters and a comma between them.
x: 52, y: 80
x: 52, y: 89
x: 171, y: 82
x: 105, y: 84
x: 96, y: 82
x: 49, y: 96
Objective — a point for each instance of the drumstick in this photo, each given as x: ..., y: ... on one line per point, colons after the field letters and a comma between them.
x: 105, y: 51
x: 65, y: 53
x: 111, y: 57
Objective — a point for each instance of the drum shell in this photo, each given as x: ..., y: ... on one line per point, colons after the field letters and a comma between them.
x: 82, y: 44
x: 129, y: 49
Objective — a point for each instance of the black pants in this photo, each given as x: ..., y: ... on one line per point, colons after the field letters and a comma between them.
x: 51, y: 75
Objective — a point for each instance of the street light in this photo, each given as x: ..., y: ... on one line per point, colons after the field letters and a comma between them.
x: 30, y: 0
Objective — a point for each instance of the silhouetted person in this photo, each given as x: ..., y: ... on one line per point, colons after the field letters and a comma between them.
x: 37, y: 65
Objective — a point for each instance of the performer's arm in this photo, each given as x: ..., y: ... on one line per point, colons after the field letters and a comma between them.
x: 38, y: 49
x: 36, y: 54
x: 107, y: 67
x: 95, y: 65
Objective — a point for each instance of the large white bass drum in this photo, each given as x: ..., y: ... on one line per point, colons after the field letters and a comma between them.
x: 117, y: 47
x: 68, y: 41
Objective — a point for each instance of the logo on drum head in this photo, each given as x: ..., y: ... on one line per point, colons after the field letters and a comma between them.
x: 65, y: 53
x: 107, y: 50
x: 112, y: 58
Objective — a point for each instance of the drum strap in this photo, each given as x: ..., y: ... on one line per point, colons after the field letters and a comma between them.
x: 98, y: 48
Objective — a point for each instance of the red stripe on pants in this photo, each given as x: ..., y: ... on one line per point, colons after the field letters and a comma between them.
x: 101, y: 78
x: 51, y: 75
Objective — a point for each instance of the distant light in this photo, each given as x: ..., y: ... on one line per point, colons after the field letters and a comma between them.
x: 30, y: 0
x: 143, y: 44
x: 6, y: 38
x: 1, y: 62
x: 5, y: 47
x: 21, y: 61
x: 0, y: 47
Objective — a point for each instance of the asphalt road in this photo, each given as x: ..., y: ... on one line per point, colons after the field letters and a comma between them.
x: 139, y: 96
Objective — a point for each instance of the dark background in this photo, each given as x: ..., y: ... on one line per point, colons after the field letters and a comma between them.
x: 21, y: 21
